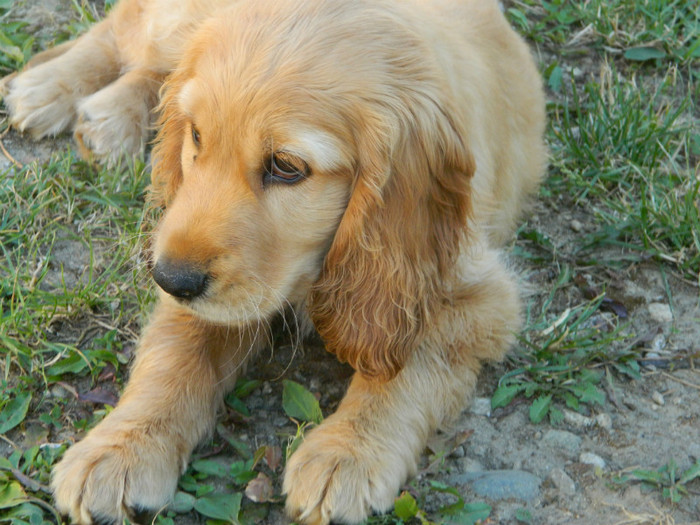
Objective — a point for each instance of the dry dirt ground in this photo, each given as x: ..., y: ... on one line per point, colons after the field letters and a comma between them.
x: 563, y: 474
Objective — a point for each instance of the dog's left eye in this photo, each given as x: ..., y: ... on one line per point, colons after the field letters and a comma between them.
x: 195, y: 136
x: 284, y: 167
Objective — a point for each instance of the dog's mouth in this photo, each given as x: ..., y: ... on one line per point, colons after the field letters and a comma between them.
x: 213, y: 299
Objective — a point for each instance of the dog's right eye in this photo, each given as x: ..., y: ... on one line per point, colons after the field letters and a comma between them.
x: 286, y: 168
x: 195, y: 136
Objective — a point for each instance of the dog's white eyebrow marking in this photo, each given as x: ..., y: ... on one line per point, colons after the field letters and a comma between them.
x: 184, y: 97
x: 318, y: 147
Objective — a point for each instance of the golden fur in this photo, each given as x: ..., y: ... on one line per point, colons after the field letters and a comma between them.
x: 421, y: 123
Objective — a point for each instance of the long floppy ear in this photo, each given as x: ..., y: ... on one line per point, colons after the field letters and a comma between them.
x: 166, y: 172
x: 395, y: 249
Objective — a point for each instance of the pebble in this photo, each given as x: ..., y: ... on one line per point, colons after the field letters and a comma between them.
x: 660, y: 312
x: 604, y: 420
x: 467, y: 464
x: 577, y: 420
x: 481, y: 406
x: 658, y: 343
x: 589, y: 458
x: 658, y: 398
x: 501, y: 484
x: 563, y: 482
x: 59, y: 392
x: 563, y: 440
x: 576, y: 225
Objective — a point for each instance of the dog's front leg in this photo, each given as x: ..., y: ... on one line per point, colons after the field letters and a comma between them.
x: 132, y: 460
x: 355, y: 462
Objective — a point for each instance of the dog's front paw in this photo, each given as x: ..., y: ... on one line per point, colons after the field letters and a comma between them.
x: 337, y: 476
x: 40, y: 103
x: 111, y: 475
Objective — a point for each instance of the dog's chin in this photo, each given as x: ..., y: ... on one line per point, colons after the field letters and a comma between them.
x: 222, y: 312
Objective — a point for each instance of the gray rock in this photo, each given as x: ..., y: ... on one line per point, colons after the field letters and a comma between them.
x: 481, y: 406
x: 592, y: 459
x: 563, y: 482
x: 660, y: 312
x: 501, y: 484
x: 563, y: 440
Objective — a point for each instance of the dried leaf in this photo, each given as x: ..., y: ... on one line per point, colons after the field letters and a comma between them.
x: 260, y: 489
x: 99, y: 396
x: 273, y: 457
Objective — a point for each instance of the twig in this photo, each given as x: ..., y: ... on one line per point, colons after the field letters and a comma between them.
x: 7, y: 154
x: 679, y: 380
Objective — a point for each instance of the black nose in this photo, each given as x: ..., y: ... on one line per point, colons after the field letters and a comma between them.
x: 179, y: 279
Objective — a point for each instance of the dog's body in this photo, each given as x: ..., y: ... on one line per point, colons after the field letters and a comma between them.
x: 360, y: 160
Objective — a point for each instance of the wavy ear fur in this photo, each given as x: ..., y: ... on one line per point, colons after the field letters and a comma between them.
x: 166, y: 173
x: 393, y: 254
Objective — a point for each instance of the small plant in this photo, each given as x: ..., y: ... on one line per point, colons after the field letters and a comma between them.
x: 563, y: 360
x: 667, y: 478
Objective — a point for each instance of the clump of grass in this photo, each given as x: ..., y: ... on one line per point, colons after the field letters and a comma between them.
x: 66, y: 200
x: 628, y: 149
x: 562, y: 358
x: 644, y: 30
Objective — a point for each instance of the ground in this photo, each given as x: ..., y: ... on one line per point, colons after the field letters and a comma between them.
x: 594, y: 418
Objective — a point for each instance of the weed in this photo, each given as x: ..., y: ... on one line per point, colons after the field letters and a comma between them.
x: 564, y: 358
x: 668, y: 479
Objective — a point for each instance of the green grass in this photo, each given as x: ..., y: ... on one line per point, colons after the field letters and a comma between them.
x: 646, y: 30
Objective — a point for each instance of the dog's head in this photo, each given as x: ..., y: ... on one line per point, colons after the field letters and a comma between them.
x: 312, y: 154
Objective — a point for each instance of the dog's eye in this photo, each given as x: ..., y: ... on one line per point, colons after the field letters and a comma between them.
x: 283, y: 167
x: 195, y: 136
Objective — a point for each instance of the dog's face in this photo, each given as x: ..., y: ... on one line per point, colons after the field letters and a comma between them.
x: 310, y: 156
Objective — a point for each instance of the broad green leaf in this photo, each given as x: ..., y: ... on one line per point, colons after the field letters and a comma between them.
x: 235, y: 403
x: 690, y: 474
x: 539, y: 408
x: 405, y: 506
x: 504, y: 395
x: 242, y: 471
x: 13, y: 413
x: 210, y: 468
x: 472, y: 513
x: 73, y: 364
x: 554, y: 80
x: 589, y: 393
x: 220, y: 506
x: 11, y: 494
x: 299, y: 403
x: 182, y: 502
x: 245, y: 387
x: 643, y: 53
x: 556, y: 416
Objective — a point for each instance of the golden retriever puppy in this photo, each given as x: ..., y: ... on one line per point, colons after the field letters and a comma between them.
x: 360, y: 160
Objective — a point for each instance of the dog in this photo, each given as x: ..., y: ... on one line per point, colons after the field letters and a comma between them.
x: 362, y: 161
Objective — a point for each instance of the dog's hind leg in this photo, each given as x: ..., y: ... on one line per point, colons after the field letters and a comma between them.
x: 43, y: 98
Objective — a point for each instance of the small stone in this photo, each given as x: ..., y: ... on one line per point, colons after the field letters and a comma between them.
x: 660, y: 312
x: 563, y: 440
x: 563, y: 482
x: 592, y: 459
x: 59, y: 392
x: 604, y: 420
x: 576, y: 225
x: 658, y: 344
x: 501, y: 484
x: 658, y: 398
x: 481, y: 406
x: 577, y: 72
x: 458, y: 452
x: 577, y: 420
x: 467, y: 464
